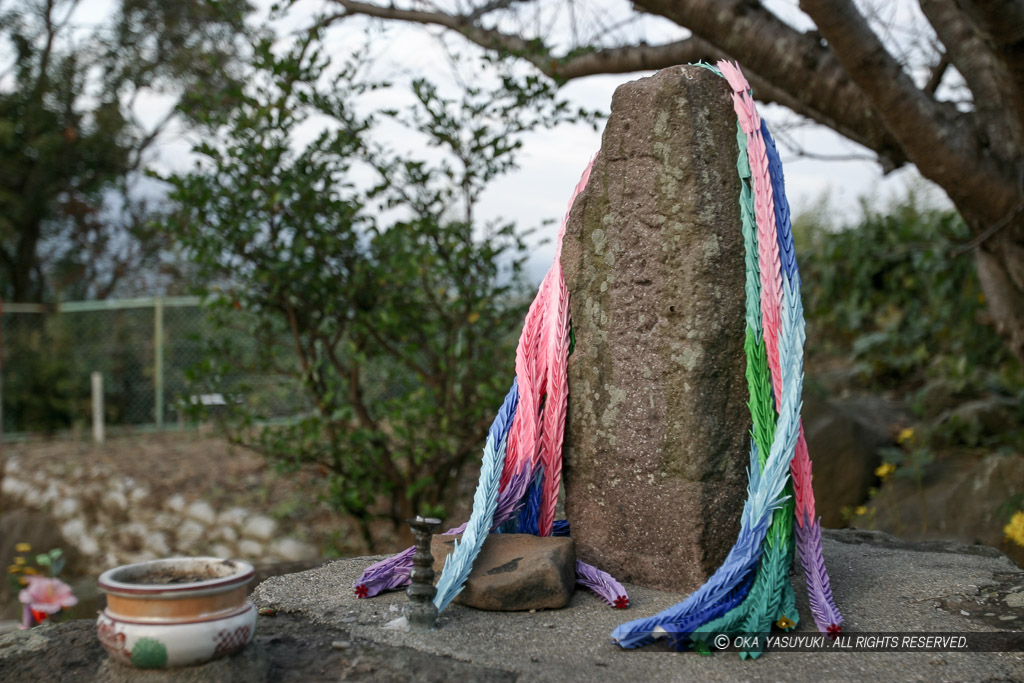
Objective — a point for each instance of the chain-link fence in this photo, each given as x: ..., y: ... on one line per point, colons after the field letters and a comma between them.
x: 143, y: 348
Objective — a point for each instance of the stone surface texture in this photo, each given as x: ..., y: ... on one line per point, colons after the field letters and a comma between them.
x: 322, y: 632
x: 657, y: 441
x: 515, y: 572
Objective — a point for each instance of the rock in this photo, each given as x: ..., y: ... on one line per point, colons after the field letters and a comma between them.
x: 31, y: 497
x: 970, y: 422
x: 259, y: 527
x: 657, y: 441
x: 50, y: 494
x: 19, y: 643
x: 515, y: 572
x: 202, y: 512
x: 175, y: 503
x: 156, y: 541
x: 222, y: 551
x: 294, y: 550
x: 138, y: 494
x: 235, y: 516
x: 132, y: 535
x: 65, y: 508
x: 962, y: 497
x: 190, y: 532
x: 844, y: 437
x: 165, y: 522
x: 285, y: 650
x: 250, y: 549
x: 73, y: 528
x: 87, y: 545
x: 13, y: 487
x: 143, y: 555
x: 226, y: 533
x: 248, y: 665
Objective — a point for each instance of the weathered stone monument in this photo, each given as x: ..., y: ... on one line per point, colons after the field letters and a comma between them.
x: 657, y: 440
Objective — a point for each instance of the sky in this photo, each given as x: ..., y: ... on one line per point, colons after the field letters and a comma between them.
x: 551, y: 160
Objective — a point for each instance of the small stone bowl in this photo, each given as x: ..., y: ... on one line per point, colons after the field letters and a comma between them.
x: 179, y: 611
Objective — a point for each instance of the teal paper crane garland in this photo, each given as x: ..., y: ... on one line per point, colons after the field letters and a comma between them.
x: 774, y: 347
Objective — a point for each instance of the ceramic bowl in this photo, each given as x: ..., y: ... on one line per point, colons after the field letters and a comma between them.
x: 178, y: 611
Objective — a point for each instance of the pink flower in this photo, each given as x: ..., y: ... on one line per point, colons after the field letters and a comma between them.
x: 47, y: 595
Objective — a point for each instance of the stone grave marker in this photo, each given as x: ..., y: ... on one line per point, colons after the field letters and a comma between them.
x: 657, y: 440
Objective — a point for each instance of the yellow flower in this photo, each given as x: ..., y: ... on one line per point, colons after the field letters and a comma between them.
x: 861, y: 510
x: 784, y: 623
x: 884, y: 470
x: 473, y: 317
x: 19, y: 560
x: 1015, y: 529
x: 905, y: 435
x: 23, y: 547
x: 13, y: 569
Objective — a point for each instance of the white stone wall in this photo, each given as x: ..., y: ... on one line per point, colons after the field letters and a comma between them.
x: 113, y: 520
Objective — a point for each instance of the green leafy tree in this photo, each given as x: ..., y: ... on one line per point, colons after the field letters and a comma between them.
x: 892, y: 292
x: 391, y: 304
x: 72, y: 143
x: 894, y: 299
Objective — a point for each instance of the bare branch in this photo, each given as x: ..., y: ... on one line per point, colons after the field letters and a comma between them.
x: 612, y: 60
x: 943, y: 144
x: 488, y: 7
x: 938, y: 71
x: 792, y: 62
x: 777, y: 60
x: 999, y: 112
x: 782, y: 135
x: 1002, y: 25
x: 983, y: 237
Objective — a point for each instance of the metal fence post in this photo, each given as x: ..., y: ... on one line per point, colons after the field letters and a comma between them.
x: 158, y: 370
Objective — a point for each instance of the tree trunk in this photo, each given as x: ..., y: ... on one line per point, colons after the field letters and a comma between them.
x: 1000, y: 262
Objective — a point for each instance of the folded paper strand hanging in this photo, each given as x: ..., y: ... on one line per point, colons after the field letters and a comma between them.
x: 522, y: 456
x: 522, y: 464
x: 751, y: 589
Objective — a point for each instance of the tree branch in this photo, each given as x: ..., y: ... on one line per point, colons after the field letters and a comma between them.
x: 1002, y: 25
x: 492, y: 6
x: 792, y: 62
x: 999, y: 115
x: 943, y: 144
x: 401, y: 357
x: 777, y: 60
x: 938, y: 71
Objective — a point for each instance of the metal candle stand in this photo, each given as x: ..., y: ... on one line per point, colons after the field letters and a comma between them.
x: 421, y: 613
